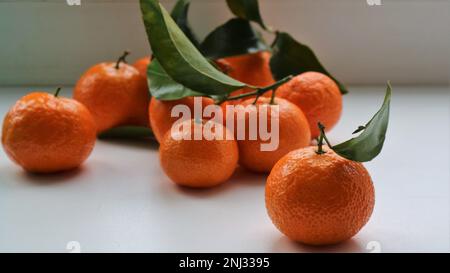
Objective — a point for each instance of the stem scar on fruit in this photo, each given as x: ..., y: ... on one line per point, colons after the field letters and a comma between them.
x: 122, y: 59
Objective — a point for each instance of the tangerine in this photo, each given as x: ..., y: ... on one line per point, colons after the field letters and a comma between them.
x: 199, y: 163
x: 161, y: 119
x: 253, y: 69
x: 318, y: 96
x: 319, y: 199
x: 115, y: 95
x: 294, y: 132
x: 44, y: 133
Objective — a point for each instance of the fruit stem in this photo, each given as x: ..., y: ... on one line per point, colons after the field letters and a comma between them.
x: 243, y: 96
x: 256, y: 99
x: 275, y: 85
x: 321, y: 138
x: 259, y: 91
x: 57, y: 91
x: 122, y: 58
x: 272, y: 99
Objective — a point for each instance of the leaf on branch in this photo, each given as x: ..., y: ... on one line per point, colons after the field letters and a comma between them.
x: 369, y: 144
x: 236, y: 37
x: 248, y: 10
x: 162, y: 87
x: 293, y: 58
x: 181, y: 60
x: 180, y: 16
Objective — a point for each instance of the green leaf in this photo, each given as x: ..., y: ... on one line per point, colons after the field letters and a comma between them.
x: 236, y: 37
x: 127, y: 132
x: 163, y: 87
x: 247, y: 9
x: 369, y: 144
x: 293, y: 58
x: 180, y: 16
x: 179, y: 57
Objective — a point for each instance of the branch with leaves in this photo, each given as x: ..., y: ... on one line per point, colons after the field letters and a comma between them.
x: 235, y: 37
x: 290, y: 57
x: 181, y: 67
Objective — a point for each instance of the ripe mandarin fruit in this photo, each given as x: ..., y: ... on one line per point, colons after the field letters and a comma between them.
x: 253, y: 69
x: 141, y: 65
x: 160, y: 112
x: 294, y: 133
x: 115, y: 95
x: 199, y: 163
x: 318, y: 96
x: 44, y: 133
x: 319, y: 199
x: 223, y: 65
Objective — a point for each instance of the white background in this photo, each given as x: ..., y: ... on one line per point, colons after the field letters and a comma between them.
x: 405, y: 41
x: 120, y: 200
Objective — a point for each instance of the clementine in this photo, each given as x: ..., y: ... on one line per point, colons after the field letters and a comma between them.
x: 199, y: 163
x: 115, y: 94
x: 252, y: 69
x: 160, y: 112
x: 141, y: 65
x: 294, y: 132
x: 319, y: 199
x: 317, y: 95
x: 44, y: 133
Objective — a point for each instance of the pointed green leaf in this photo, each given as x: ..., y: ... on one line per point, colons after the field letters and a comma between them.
x: 369, y: 144
x: 293, y: 58
x: 179, y: 57
x: 236, y: 37
x: 247, y: 9
x: 180, y: 16
x: 163, y: 87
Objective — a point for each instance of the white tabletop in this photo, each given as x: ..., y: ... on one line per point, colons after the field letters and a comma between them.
x: 121, y: 201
